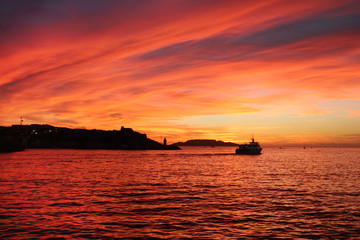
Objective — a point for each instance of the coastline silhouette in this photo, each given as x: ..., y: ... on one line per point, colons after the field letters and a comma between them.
x: 20, y: 137
x: 205, y: 142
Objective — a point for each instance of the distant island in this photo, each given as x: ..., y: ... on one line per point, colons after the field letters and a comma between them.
x: 20, y: 137
x: 205, y: 142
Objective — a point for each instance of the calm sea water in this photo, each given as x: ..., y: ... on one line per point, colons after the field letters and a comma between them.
x: 196, y: 193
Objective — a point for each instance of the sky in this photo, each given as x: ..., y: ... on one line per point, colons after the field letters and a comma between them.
x: 286, y: 71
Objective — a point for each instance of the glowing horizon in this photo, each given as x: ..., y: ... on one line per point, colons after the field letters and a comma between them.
x: 287, y: 72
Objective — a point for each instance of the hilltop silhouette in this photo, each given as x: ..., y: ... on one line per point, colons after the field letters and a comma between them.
x: 205, y: 142
x: 19, y: 137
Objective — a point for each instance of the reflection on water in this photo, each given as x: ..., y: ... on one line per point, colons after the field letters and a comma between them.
x: 193, y: 193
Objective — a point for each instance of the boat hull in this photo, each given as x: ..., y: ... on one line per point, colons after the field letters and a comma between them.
x: 248, y: 151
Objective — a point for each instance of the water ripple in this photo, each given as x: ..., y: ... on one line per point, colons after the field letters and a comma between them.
x: 287, y: 194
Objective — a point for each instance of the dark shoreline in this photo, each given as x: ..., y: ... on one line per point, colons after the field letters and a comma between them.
x: 35, y: 136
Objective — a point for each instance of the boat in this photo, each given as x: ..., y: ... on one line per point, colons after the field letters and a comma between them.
x: 251, y: 148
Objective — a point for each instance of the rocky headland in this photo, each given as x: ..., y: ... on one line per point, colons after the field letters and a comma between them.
x: 20, y: 137
x: 205, y: 142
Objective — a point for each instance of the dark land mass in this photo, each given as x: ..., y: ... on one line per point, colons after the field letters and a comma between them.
x: 20, y: 137
x: 205, y: 142
x: 11, y: 140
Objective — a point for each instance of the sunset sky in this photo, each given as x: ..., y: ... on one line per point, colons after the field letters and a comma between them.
x: 286, y: 71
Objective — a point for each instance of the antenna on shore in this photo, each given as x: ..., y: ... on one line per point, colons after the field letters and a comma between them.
x: 21, y: 120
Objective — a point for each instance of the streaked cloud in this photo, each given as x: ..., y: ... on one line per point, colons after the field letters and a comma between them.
x: 157, y: 65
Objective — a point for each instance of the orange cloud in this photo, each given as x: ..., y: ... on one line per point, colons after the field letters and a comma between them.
x: 153, y: 65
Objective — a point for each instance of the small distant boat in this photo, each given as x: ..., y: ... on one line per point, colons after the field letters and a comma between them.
x: 251, y: 148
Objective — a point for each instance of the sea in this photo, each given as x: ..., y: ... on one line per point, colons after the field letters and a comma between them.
x: 194, y: 193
